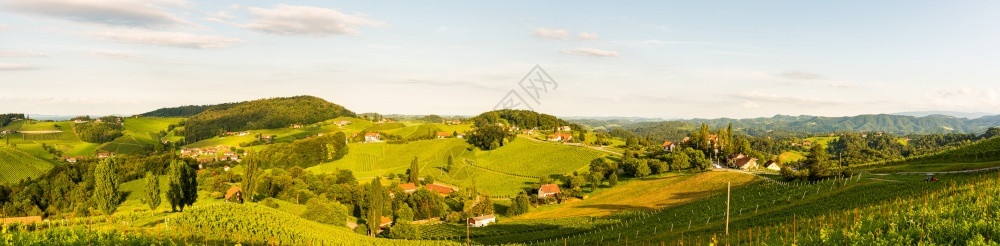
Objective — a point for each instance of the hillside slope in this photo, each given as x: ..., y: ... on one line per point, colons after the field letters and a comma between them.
x: 261, y: 114
x: 16, y: 165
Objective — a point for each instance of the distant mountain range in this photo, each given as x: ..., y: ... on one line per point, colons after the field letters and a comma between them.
x: 970, y: 115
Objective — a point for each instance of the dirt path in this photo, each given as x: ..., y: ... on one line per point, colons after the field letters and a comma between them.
x: 951, y: 172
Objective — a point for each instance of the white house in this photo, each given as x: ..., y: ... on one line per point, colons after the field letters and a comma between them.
x: 482, y: 221
x: 669, y: 146
x: 372, y: 137
x: 548, y: 190
x: 772, y: 165
x: 564, y: 128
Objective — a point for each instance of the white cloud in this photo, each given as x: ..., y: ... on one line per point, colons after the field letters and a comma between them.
x: 20, y: 53
x: 841, y: 85
x: 172, y: 39
x: 801, y: 75
x: 111, y: 12
x: 15, y: 67
x: 548, y: 33
x: 770, y: 97
x: 591, y: 52
x: 306, y: 21
x: 116, y: 55
x: 587, y: 36
x: 750, y: 104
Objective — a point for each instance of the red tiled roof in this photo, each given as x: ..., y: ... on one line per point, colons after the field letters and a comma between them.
x: 373, y: 134
x: 408, y: 186
x: 667, y: 143
x: 385, y: 221
x: 439, y: 188
x: 549, y: 188
x: 443, y: 134
x: 232, y: 191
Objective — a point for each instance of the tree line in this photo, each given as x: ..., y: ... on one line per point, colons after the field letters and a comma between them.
x: 261, y: 114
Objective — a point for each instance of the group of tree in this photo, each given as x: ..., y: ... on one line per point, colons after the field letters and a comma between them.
x: 98, y: 132
x: 261, y: 114
x: 524, y: 119
x: 182, y: 187
x: 6, y: 119
x: 305, y: 152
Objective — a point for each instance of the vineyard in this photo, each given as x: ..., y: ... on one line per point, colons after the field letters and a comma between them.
x: 776, y: 205
x: 16, y: 165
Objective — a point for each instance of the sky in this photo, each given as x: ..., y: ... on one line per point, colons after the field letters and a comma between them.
x: 691, y: 59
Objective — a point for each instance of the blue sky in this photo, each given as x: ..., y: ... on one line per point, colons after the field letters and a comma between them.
x: 733, y: 59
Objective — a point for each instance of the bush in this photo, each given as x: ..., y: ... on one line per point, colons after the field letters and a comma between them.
x: 322, y: 210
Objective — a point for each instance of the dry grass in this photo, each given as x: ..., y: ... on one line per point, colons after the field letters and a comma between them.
x: 647, y: 194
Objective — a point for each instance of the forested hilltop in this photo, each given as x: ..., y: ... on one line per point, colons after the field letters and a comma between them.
x: 783, y: 124
x: 261, y: 114
x: 183, y: 111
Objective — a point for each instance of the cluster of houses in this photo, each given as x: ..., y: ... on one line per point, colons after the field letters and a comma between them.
x: 561, y: 134
x: 217, y: 153
x: 343, y: 123
x: 442, y: 190
x: 749, y: 163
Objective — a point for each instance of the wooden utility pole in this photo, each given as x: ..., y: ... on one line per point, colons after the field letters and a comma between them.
x: 468, y: 238
x: 729, y: 186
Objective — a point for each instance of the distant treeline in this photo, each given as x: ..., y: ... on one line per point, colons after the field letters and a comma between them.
x: 261, y: 114
x: 7, y: 118
x: 183, y: 111
x: 800, y: 126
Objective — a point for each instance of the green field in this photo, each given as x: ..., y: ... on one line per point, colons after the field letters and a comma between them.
x: 142, y: 127
x: 532, y: 158
x: 367, y: 160
x: 16, y: 165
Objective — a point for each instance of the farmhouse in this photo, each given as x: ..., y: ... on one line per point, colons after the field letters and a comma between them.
x: 564, y: 129
x: 343, y: 123
x: 772, y: 165
x: 70, y: 160
x: 736, y: 156
x: 548, y: 190
x: 440, y: 189
x: 386, y: 221
x: 669, y: 146
x: 481, y: 221
x: 409, y: 188
x: 745, y: 163
x: 460, y: 136
x: 527, y: 131
x: 104, y: 154
x: 441, y: 135
x: 560, y: 137
x: 296, y: 126
x: 79, y: 121
x: 372, y: 137
x: 234, y: 194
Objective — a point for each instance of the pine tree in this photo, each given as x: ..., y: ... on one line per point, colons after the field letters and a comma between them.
x: 414, y: 171
x: 106, y: 183
x: 152, y: 191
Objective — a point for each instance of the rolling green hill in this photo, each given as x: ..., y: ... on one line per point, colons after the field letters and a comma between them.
x: 16, y: 165
x: 261, y: 114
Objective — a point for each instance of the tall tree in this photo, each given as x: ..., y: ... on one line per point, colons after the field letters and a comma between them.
x: 414, y: 171
x: 106, y: 183
x: 817, y: 161
x: 251, y: 175
x: 182, y: 188
x: 373, y: 216
x: 152, y: 191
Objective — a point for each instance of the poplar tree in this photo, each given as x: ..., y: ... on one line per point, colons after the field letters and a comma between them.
x: 106, y: 183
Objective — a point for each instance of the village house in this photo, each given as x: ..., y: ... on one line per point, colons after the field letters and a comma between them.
x: 205, y: 160
x: 79, y: 121
x: 560, y: 137
x: 806, y: 143
x: 548, y: 190
x: 772, y: 165
x: 746, y: 163
x: 669, y: 146
x: 385, y: 223
x: 409, y: 188
x: 527, y: 131
x: 70, y: 160
x: 104, y: 154
x: 343, y: 123
x: 564, y: 129
x: 441, y: 135
x: 234, y: 194
x: 372, y: 137
x: 735, y: 156
x: 481, y: 221
x: 460, y: 135
x: 296, y: 126
x: 440, y: 189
